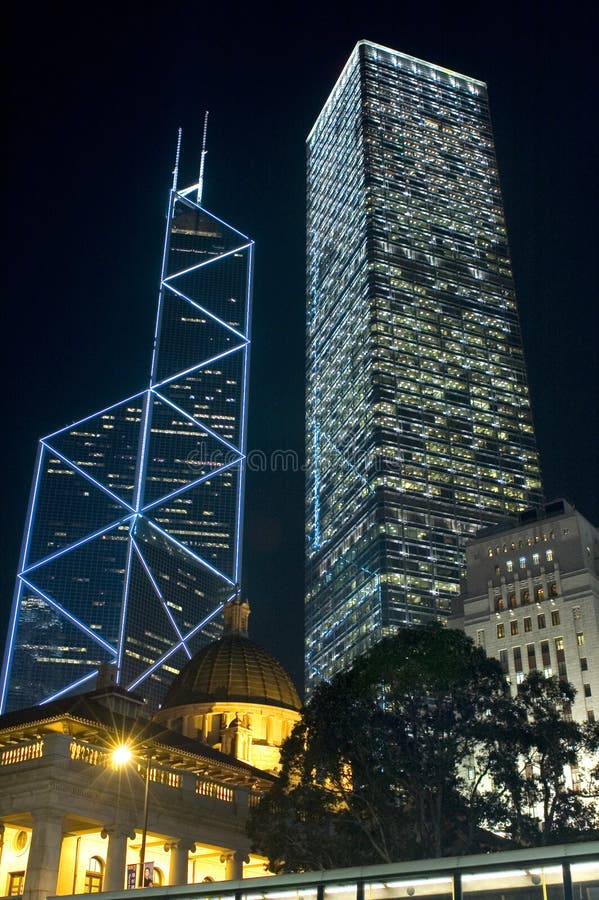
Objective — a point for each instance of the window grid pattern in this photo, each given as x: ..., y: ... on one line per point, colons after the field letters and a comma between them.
x: 133, y: 539
x: 419, y: 427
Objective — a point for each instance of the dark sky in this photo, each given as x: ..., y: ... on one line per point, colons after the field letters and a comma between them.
x: 95, y: 96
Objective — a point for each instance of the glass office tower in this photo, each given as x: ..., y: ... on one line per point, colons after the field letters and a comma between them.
x: 132, y: 542
x: 419, y: 426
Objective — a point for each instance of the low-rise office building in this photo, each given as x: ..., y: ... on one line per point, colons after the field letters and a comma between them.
x: 531, y: 599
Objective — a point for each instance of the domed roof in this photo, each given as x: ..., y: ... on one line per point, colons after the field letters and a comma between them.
x: 234, y: 669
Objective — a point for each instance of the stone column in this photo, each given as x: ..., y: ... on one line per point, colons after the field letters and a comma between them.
x: 44, y: 856
x: 234, y: 860
x: 180, y: 851
x: 116, y: 856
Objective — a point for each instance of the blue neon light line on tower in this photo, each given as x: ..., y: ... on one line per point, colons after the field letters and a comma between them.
x: 133, y: 533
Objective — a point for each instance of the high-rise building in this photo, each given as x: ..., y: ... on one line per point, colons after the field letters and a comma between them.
x: 419, y: 428
x: 132, y: 540
x: 531, y: 599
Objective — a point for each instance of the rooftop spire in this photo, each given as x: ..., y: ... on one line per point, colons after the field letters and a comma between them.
x: 177, y: 155
x: 202, y: 159
x: 236, y: 614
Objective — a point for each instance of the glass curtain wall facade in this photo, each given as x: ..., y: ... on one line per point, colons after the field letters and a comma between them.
x: 419, y: 428
x: 132, y: 542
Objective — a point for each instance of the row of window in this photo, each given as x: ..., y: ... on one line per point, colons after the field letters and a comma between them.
x: 524, y: 598
x: 527, y: 624
x: 94, y: 877
x: 531, y: 651
x: 523, y: 561
x: 541, y: 623
x: 505, y: 548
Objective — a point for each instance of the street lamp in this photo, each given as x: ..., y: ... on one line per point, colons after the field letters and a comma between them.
x: 121, y: 755
x: 144, y: 834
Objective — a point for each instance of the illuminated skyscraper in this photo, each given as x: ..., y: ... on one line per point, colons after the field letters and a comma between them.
x: 419, y: 425
x: 132, y: 542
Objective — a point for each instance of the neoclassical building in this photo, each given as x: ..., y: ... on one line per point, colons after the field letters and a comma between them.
x: 531, y: 599
x: 234, y: 696
x: 74, y: 820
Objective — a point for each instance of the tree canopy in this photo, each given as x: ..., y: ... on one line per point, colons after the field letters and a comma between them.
x: 420, y: 751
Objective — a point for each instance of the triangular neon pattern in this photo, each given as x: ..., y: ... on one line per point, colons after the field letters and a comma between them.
x: 106, y: 447
x: 184, y: 587
x: 189, y: 327
x: 132, y: 542
x: 68, y: 489
x: 221, y: 380
x: 218, y: 286
x: 213, y: 507
x: 172, y: 466
x: 54, y: 634
x: 86, y: 578
x: 156, y: 633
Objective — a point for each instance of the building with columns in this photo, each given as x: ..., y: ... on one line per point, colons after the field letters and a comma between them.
x: 74, y: 821
x: 531, y: 599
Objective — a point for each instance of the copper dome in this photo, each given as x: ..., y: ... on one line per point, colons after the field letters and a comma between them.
x: 233, y: 669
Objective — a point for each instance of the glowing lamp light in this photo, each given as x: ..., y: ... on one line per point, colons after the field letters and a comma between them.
x: 121, y: 755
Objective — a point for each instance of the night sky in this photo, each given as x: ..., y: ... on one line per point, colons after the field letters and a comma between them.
x: 95, y: 98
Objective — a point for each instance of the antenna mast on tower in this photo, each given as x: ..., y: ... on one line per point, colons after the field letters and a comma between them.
x: 202, y: 160
x: 177, y: 155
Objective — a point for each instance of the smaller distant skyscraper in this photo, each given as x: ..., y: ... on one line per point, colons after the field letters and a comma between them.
x: 133, y: 535
x: 419, y: 427
x: 531, y: 599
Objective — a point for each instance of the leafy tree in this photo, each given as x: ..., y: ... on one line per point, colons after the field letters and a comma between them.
x: 380, y: 767
x: 547, y: 744
x: 420, y: 751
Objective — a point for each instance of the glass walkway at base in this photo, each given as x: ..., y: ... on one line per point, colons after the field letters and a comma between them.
x: 558, y: 872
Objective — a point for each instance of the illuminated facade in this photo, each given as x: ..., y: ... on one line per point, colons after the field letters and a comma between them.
x: 419, y: 428
x: 132, y: 542
x: 73, y: 819
x: 234, y: 696
x: 531, y: 599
